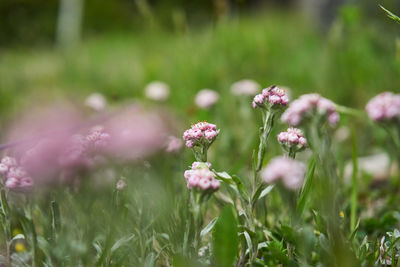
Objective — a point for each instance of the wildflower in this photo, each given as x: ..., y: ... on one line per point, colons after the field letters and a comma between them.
x: 97, y: 138
x: 292, y: 140
x: 3, y: 169
x: 206, y: 98
x: 9, y: 162
x: 245, y: 87
x: 174, y: 144
x: 289, y: 171
x: 17, y: 178
x: 271, y: 97
x: 121, y: 184
x: 96, y: 101
x: 201, y: 177
x: 201, y: 133
x: 156, y: 90
x: 384, y: 107
x: 307, y: 106
x: 19, y: 246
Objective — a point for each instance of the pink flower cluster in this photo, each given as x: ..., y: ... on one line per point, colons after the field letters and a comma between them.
x: 271, y: 97
x: 80, y: 149
x: 306, y: 105
x: 384, y: 107
x: 291, y: 172
x: 292, y: 138
x: 16, y: 176
x: 200, y: 133
x: 201, y: 177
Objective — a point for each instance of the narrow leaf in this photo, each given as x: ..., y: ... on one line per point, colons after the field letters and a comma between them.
x: 209, y: 227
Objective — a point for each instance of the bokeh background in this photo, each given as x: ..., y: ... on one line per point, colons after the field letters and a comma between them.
x: 68, y: 49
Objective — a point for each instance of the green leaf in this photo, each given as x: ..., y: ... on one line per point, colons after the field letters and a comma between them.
x: 266, y: 191
x: 249, y: 244
x: 224, y: 176
x: 242, y: 189
x: 354, y: 184
x: 301, y: 204
x: 121, y: 242
x: 209, y: 227
x: 225, y: 238
x: 390, y: 14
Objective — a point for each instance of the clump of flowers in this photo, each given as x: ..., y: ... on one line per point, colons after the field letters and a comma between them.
x: 16, y: 177
x: 289, y: 171
x: 292, y: 141
x: 201, y: 177
x: 270, y: 97
x: 201, y: 135
x: 80, y: 149
x: 384, y: 107
x: 206, y: 98
x: 245, y: 87
x: 310, y: 105
x: 156, y: 90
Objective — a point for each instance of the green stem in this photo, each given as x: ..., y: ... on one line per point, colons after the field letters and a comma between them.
x: 268, y: 120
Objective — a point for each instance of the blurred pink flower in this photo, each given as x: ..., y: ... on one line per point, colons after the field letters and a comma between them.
x: 156, y: 90
x: 174, y: 144
x: 206, y: 98
x: 96, y: 101
x: 16, y: 177
x: 310, y: 105
x: 245, y: 87
x: 289, y: 171
x: 384, y: 107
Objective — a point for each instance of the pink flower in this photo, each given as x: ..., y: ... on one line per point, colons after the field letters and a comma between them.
x: 200, y: 177
x: 292, y: 139
x: 9, y: 162
x: 206, y: 98
x: 200, y: 133
x: 3, y: 169
x: 289, y: 171
x: 245, y: 87
x: 174, y: 144
x: 384, y: 107
x: 96, y: 101
x: 158, y: 91
x: 271, y: 97
x: 17, y: 177
x: 310, y: 105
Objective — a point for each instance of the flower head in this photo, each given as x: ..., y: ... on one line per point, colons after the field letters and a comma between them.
x: 201, y: 177
x: 17, y: 178
x: 289, y: 171
x: 206, y: 98
x: 384, y: 107
x: 174, y: 144
x: 271, y: 97
x: 292, y: 139
x: 96, y: 101
x: 310, y: 105
x: 158, y: 91
x: 245, y: 87
x: 201, y: 133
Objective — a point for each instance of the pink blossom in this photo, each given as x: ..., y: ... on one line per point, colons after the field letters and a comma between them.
x: 201, y: 177
x: 158, y: 91
x: 3, y: 169
x: 271, y: 97
x: 9, y: 161
x: 200, y: 133
x: 174, y: 144
x: 384, y: 107
x: 310, y: 105
x: 245, y: 87
x: 206, y: 98
x: 289, y: 171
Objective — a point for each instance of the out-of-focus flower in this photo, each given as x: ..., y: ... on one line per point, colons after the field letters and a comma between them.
x: 206, y: 98
x: 17, y: 178
x: 289, y: 171
x: 310, y: 105
x: 96, y: 101
x: 200, y: 177
x: 271, y: 97
x: 292, y: 139
x: 245, y: 87
x: 174, y: 144
x: 135, y: 133
x: 156, y: 90
x: 121, y: 184
x: 202, y: 133
x: 384, y: 107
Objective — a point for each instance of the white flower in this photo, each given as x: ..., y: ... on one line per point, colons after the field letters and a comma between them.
x: 156, y: 90
x: 96, y: 101
x: 206, y: 98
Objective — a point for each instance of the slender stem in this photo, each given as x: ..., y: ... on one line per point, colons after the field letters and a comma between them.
x: 266, y: 130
